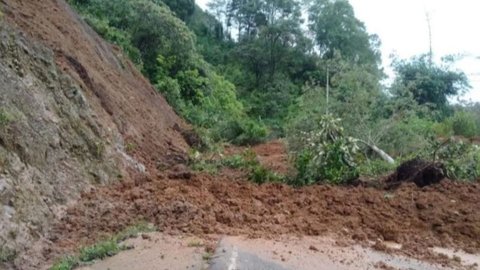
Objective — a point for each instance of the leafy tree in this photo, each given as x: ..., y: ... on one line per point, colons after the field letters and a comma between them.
x: 270, y: 58
x: 182, y: 8
x: 428, y: 84
x: 336, y: 28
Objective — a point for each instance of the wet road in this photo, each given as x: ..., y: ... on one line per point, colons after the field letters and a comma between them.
x: 165, y: 252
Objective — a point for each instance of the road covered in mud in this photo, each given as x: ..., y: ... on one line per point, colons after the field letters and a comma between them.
x: 190, y: 203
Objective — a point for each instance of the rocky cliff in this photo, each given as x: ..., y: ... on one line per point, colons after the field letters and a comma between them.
x: 74, y: 113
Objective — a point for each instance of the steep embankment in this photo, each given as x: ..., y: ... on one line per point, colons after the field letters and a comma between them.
x: 73, y: 112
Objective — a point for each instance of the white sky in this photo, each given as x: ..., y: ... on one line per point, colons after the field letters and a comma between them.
x: 402, y: 28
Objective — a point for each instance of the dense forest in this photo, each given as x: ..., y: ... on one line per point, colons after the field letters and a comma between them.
x: 245, y: 71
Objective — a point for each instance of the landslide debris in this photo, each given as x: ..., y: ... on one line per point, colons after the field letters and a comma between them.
x: 444, y: 214
x: 418, y: 171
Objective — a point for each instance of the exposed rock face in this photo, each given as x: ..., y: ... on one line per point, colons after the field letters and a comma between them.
x: 51, y: 146
x: 69, y: 103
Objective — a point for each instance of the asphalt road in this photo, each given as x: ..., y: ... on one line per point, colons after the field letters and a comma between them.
x: 158, y: 251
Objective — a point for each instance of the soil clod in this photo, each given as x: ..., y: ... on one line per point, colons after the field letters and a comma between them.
x: 418, y: 171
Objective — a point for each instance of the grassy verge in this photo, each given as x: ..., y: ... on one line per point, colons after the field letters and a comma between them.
x: 101, y: 250
x: 247, y: 161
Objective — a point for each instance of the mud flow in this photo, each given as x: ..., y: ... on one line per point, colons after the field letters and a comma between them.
x: 417, y: 218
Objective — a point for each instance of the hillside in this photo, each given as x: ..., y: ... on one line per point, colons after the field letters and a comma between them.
x: 91, y: 148
x: 76, y: 113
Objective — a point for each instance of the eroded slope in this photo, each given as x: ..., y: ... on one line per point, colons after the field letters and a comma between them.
x: 71, y: 107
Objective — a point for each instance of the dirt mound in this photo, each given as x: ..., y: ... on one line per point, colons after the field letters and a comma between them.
x: 420, y: 172
x: 418, y: 218
x: 441, y: 215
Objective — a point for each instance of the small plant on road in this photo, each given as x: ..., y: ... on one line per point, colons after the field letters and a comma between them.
x: 102, y: 249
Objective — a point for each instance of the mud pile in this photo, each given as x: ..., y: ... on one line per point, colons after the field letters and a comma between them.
x: 444, y: 214
x: 418, y: 171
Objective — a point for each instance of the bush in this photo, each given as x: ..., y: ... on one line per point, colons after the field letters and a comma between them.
x: 66, y: 263
x: 443, y: 129
x: 260, y: 175
x: 249, y: 132
x: 464, y: 124
x: 325, y: 155
x: 461, y: 160
x: 407, y: 136
x: 100, y: 251
x: 248, y: 161
x: 375, y: 168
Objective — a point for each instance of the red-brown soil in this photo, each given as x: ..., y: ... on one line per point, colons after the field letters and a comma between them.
x: 271, y: 155
x: 444, y: 214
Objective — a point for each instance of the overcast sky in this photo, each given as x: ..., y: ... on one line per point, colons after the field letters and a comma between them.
x: 403, y: 29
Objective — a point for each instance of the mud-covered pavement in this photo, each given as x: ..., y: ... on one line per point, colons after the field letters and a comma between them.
x: 188, y: 203
x: 160, y: 251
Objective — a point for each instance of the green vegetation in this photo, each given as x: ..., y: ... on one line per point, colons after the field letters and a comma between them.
x: 207, y: 256
x: 5, y: 118
x: 461, y: 160
x: 325, y: 155
x: 246, y: 71
x: 429, y: 84
x: 247, y: 161
x: 102, y: 249
x: 195, y: 243
x: 66, y: 263
x: 7, y: 254
x: 464, y: 124
x: 163, y: 48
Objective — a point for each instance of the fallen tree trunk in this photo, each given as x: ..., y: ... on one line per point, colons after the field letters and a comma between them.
x: 379, y: 152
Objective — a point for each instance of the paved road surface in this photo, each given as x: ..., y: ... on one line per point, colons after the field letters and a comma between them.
x: 162, y: 252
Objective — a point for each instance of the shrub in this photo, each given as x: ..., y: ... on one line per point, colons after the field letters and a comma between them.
x: 249, y: 132
x: 100, y: 251
x: 66, y: 263
x: 375, y: 168
x: 326, y: 155
x: 444, y: 128
x: 260, y: 175
x: 461, y: 160
x: 248, y: 161
x: 407, y: 136
x: 463, y: 124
